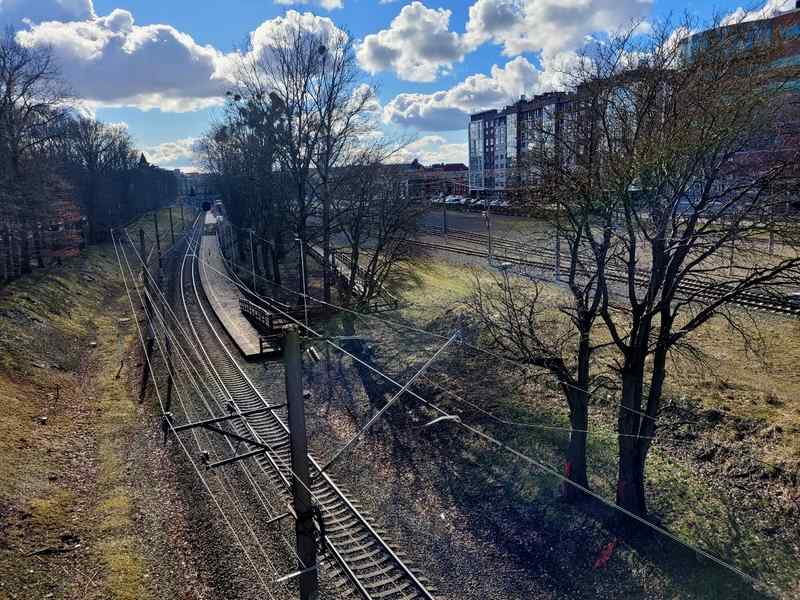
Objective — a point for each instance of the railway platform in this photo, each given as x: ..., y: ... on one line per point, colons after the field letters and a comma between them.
x: 224, y: 297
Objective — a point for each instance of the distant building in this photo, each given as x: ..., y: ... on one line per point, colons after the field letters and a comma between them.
x: 438, y: 179
x: 783, y: 28
x: 500, y: 140
x: 194, y: 184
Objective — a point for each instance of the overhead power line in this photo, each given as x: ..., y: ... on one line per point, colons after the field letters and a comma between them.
x: 522, y: 456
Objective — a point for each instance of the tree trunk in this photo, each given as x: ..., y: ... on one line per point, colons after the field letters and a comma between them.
x: 630, y: 485
x: 578, y: 401
x: 264, y: 247
x: 326, y: 243
x: 276, y: 260
x: 25, y: 257
x: 630, y: 478
x: 240, y: 244
x: 575, y: 467
x: 38, y: 242
x: 9, y: 255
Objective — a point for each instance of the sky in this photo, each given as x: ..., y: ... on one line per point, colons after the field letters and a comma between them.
x: 162, y: 67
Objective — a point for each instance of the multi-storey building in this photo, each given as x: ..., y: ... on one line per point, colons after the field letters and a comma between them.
x: 778, y: 35
x: 507, y: 147
x: 501, y: 140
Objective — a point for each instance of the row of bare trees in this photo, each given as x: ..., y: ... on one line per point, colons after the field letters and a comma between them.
x: 295, y: 158
x: 60, y: 170
x: 667, y: 183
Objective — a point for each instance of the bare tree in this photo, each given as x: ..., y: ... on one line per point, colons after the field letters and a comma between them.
x: 376, y: 217
x: 559, y: 178
x: 689, y: 142
x: 96, y: 157
x: 312, y: 78
x: 342, y: 112
x: 241, y: 152
x: 32, y: 103
x: 667, y: 178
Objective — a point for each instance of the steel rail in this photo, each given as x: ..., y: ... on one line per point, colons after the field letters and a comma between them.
x: 688, y: 290
x: 385, y: 575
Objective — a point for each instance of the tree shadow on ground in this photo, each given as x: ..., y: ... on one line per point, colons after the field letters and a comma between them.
x: 510, y: 506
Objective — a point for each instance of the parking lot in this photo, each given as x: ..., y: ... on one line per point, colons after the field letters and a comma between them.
x: 506, y: 226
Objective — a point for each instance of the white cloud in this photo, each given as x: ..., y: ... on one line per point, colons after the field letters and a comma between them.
x: 269, y: 31
x: 771, y: 8
x: 548, y: 26
x: 450, y: 109
x: 171, y: 153
x: 111, y: 61
x: 418, y: 45
x: 431, y: 149
x: 16, y: 13
x: 326, y: 4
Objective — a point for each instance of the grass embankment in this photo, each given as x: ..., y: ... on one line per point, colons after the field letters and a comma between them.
x: 165, y: 231
x: 719, y: 499
x: 68, y: 524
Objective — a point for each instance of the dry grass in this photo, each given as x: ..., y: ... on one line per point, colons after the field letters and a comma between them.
x: 753, y: 376
x: 756, y: 385
x: 61, y: 346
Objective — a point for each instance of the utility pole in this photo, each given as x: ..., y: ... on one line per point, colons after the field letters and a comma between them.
x: 158, y: 238
x: 141, y: 251
x: 488, y: 216
x: 252, y: 261
x: 301, y: 482
x: 171, y: 226
x: 444, y: 218
x: 303, y: 275
x: 558, y: 253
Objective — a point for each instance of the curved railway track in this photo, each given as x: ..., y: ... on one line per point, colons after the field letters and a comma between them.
x: 362, y: 562
x: 689, y: 290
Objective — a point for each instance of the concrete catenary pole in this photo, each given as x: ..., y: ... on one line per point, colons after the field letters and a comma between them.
x: 301, y: 482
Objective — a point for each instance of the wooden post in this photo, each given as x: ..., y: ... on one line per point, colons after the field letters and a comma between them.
x: 252, y: 261
x: 151, y: 338
x: 142, y: 251
x: 301, y: 482
x: 168, y: 404
x: 558, y: 253
x: 158, y: 237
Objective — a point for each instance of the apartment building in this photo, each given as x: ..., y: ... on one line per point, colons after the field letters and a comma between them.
x: 500, y: 140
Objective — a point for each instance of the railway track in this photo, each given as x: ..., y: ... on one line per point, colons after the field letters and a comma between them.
x: 689, y: 290
x: 361, y: 561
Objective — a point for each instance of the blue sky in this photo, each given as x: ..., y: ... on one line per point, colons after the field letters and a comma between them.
x: 160, y: 66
